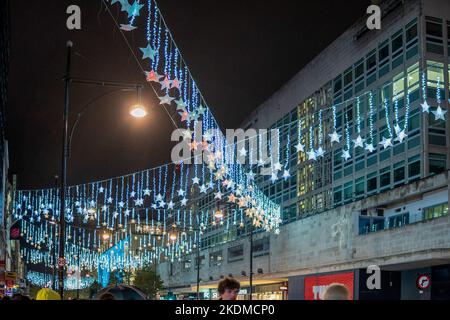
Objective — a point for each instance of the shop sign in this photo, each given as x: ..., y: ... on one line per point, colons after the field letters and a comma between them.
x: 315, y: 286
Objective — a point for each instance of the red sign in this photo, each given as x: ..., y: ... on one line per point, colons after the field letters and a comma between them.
x: 14, y: 233
x: 315, y: 286
x: 423, y: 282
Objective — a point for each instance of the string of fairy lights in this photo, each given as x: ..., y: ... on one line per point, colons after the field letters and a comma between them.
x: 155, y: 211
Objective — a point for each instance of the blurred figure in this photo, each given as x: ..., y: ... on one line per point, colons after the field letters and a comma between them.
x: 336, y: 291
x: 47, y: 294
x: 107, y: 296
x: 228, y: 289
x: 21, y: 297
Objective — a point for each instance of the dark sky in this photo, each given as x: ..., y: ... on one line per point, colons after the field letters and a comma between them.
x: 240, y: 53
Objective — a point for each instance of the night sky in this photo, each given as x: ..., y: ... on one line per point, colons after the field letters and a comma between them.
x: 240, y: 53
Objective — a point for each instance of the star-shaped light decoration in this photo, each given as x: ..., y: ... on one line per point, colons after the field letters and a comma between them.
x: 159, y: 197
x: 175, y: 83
x: 203, y: 189
x: 251, y: 175
x: 127, y: 212
x: 243, y: 152
x: 218, y: 195
x: 139, y: 202
x: 162, y: 204
x: 369, y: 147
x: 181, y: 193
x: 312, y: 155
x: 165, y: 84
x: 274, y: 177
x: 401, y: 135
x: 152, y: 76
x: 127, y: 27
x: 286, y: 175
x: 320, y: 152
x: 277, y: 166
x: 335, y: 137
x: 147, y: 192
x: 386, y: 143
x: 261, y: 163
x: 165, y: 100
x: 346, y: 155
x: 195, y: 180
x: 101, y: 190
x: 135, y: 9
x: 359, y: 142
x: 439, y: 114
x: 132, y: 194
x: 201, y: 110
x: 154, y: 206
x: 104, y: 208
x: 121, y: 204
x: 193, y: 145
x: 181, y: 105
x: 170, y: 205
x: 148, y: 53
x: 300, y: 147
x: 425, y: 107
x: 231, y: 198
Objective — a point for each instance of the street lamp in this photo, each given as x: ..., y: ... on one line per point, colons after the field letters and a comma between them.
x: 138, y: 111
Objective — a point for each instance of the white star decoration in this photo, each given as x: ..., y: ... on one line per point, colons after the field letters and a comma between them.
x: 218, y: 195
x: 165, y: 100
x: 312, y: 155
x: 320, y: 152
x: 425, y: 107
x: 286, y: 175
x: 401, y: 135
x: 184, y: 202
x: 369, y: 147
x: 386, y: 143
x: 359, y: 142
x: 300, y: 148
x: 439, y: 114
x: 335, y: 137
x: 346, y: 155
x: 195, y: 180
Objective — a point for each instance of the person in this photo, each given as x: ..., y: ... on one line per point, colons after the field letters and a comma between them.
x: 336, y: 291
x: 107, y: 296
x: 47, y: 294
x: 20, y: 296
x: 228, y: 289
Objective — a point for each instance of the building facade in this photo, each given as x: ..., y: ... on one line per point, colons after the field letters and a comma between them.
x: 388, y: 207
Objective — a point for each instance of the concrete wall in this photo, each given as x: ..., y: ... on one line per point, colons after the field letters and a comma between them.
x: 329, y: 242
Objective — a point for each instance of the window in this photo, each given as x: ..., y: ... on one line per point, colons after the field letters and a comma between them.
x: 372, y: 182
x: 348, y: 191
x: 261, y: 247
x: 438, y: 163
x: 236, y: 253
x: 435, y: 211
x: 399, y: 172
x: 398, y: 220
x: 360, y: 187
x: 414, y: 166
x: 385, y: 177
x: 337, y: 195
x: 434, y: 35
x: 216, y: 258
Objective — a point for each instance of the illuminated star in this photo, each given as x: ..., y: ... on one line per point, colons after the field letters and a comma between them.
x: 104, y: 208
x: 127, y: 212
x: 170, y: 205
x: 159, y: 197
x: 346, y: 155
x: 386, y: 143
x: 181, y: 105
x: 127, y: 27
x: 359, y: 142
x: 132, y: 194
x: 162, y: 204
x: 165, y: 100
x: 148, y: 53
x: 147, y: 192
x: 152, y: 76
x: 184, y: 202
x: 231, y: 198
x: 274, y: 177
x: 201, y: 110
x: 320, y: 152
x: 401, y: 136
x: 243, y: 152
x: 175, y: 83
x: 208, y: 136
x: 251, y: 175
x: 439, y: 113
x: 425, y: 107
x: 181, y: 193
x: 194, y: 145
x: 312, y: 155
x: 195, y: 180
x: 300, y: 148
x: 370, y: 147
x: 139, y: 202
x: 261, y: 163
x: 335, y: 137
x: 165, y: 84
x: 286, y: 174
x: 154, y: 206
x: 101, y: 190
x: 135, y: 9
x: 203, y: 189
x: 218, y: 195
x: 121, y: 204
x: 277, y: 166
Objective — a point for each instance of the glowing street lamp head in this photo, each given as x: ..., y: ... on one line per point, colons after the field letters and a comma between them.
x: 173, y: 237
x: 138, y: 111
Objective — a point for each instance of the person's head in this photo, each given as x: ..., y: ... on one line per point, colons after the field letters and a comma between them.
x: 107, y: 296
x: 229, y: 289
x: 336, y: 291
x: 20, y: 297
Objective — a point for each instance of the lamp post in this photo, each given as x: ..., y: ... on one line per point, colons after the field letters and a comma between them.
x: 137, y: 111
x: 251, y: 260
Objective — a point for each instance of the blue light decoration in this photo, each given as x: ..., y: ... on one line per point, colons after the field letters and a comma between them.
x: 359, y: 141
x: 370, y: 146
x: 346, y: 152
x: 387, y: 142
x: 320, y: 152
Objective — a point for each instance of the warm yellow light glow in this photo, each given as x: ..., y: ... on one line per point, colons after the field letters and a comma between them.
x: 105, y: 236
x: 138, y: 111
x: 173, y: 237
x: 218, y: 214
